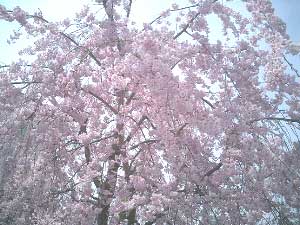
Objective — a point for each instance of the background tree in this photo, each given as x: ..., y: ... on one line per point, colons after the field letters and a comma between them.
x: 110, y: 124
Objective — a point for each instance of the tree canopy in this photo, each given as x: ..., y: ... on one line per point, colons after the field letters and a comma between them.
x: 104, y: 122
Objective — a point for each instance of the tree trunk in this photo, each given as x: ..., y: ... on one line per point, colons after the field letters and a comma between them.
x: 102, y: 218
x: 109, y: 185
x: 131, y: 217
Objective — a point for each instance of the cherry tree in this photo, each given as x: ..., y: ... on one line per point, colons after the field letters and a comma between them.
x: 103, y: 122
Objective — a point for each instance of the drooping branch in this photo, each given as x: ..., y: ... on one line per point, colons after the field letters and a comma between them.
x: 178, y: 131
x: 208, y: 103
x: 78, y: 45
x: 103, y: 138
x: 273, y: 206
x: 291, y: 120
x: 26, y: 82
x: 291, y: 66
x: 174, y: 10
x: 284, y: 57
x: 4, y: 66
x: 128, y: 9
x: 184, y: 29
x: 198, y: 190
x: 139, y: 152
x: 64, y: 35
x: 144, y: 142
x: 214, y: 169
x: 177, y: 62
x: 139, y: 123
x: 102, y: 100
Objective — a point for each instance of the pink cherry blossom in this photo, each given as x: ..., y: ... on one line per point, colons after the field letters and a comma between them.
x: 112, y: 124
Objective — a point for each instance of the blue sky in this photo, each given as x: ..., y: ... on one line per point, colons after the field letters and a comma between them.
x: 289, y: 11
x: 143, y: 11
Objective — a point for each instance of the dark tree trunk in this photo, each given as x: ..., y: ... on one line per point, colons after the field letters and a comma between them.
x: 131, y: 217
x: 102, y: 218
x: 109, y: 185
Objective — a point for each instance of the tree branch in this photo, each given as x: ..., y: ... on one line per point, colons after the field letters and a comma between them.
x: 139, y: 123
x: 87, y: 151
x: 291, y: 66
x: 174, y: 10
x: 208, y: 103
x: 184, y: 29
x: 144, y: 142
x: 291, y: 120
x: 64, y: 35
x: 102, y: 100
x: 26, y: 82
x: 210, y: 172
x: 129, y: 9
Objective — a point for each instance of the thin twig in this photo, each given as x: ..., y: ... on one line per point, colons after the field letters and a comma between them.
x: 291, y: 66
